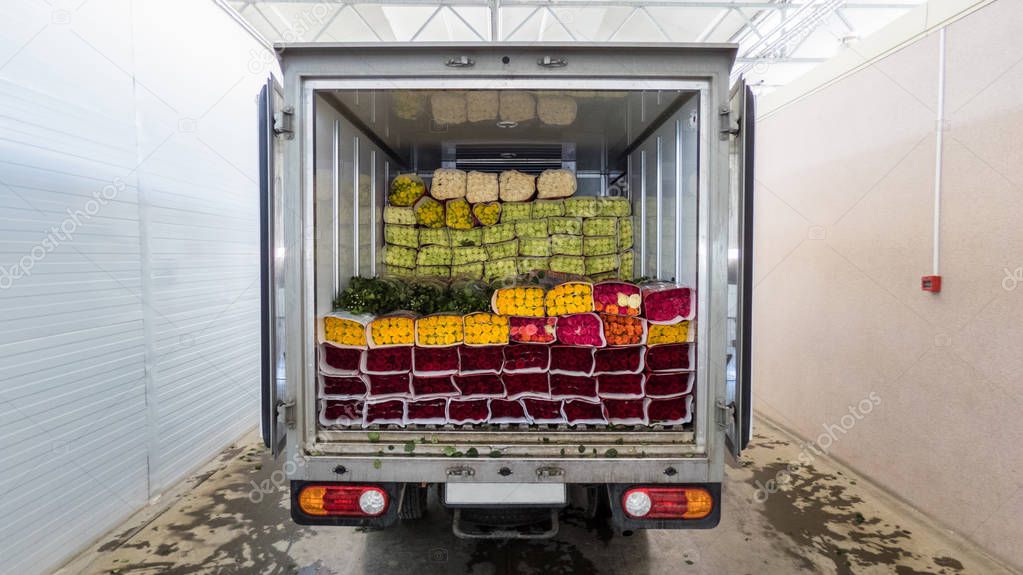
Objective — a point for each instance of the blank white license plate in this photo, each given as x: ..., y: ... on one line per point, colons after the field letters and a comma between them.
x: 505, y: 493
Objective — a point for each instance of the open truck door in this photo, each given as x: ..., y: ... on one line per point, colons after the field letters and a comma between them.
x: 739, y: 396
x: 271, y: 276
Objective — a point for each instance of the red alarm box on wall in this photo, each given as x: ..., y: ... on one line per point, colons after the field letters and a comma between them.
x: 931, y: 283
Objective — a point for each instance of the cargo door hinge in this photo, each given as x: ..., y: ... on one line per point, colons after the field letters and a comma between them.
x: 726, y: 413
x: 549, y: 472
x: 727, y: 129
x: 282, y: 123
x: 286, y: 413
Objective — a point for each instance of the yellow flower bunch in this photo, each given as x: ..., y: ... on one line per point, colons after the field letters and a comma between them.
x: 488, y: 214
x: 344, y: 331
x: 569, y: 298
x: 405, y: 190
x: 662, y: 334
x: 485, y: 329
x: 439, y: 330
x: 458, y: 214
x: 429, y: 213
x: 520, y: 301
x: 395, y: 330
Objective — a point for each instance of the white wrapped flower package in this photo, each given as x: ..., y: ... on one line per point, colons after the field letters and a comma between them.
x: 517, y: 106
x: 481, y: 187
x: 516, y: 186
x: 555, y: 184
x: 556, y: 110
x: 448, y: 108
x: 481, y: 105
x: 448, y: 184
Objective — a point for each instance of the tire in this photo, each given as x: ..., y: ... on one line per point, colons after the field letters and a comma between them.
x: 413, y: 503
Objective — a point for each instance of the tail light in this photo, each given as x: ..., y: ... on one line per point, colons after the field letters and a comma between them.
x: 667, y: 503
x: 343, y: 500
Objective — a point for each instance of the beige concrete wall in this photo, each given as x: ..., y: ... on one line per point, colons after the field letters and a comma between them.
x: 845, y: 184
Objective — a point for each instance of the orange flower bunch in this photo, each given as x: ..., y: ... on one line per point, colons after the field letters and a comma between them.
x: 622, y: 330
x: 393, y: 330
x: 661, y: 334
x: 344, y: 331
x: 520, y: 301
x: 439, y: 330
x: 570, y: 298
x: 485, y: 329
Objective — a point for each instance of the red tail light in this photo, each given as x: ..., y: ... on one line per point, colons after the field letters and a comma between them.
x: 667, y: 503
x: 343, y: 500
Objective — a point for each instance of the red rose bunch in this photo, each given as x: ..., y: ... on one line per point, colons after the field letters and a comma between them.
x: 479, y: 385
x: 579, y: 412
x: 462, y: 412
x: 677, y: 357
x: 381, y: 360
x: 673, y: 411
x: 507, y: 411
x: 625, y: 411
x: 526, y: 384
x: 346, y: 386
x: 526, y: 357
x: 543, y: 411
x: 435, y: 360
x: 573, y: 386
x: 581, y: 329
x: 389, y: 385
x: 344, y: 412
x: 429, y: 411
x: 433, y: 387
x: 571, y: 360
x: 625, y: 386
x: 480, y: 360
x: 616, y: 360
x: 387, y: 412
x: 668, y: 384
x: 341, y: 358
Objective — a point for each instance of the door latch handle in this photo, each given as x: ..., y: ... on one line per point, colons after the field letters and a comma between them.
x: 548, y: 62
x: 460, y: 62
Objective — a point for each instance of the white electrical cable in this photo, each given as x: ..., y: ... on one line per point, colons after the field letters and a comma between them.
x: 938, y: 152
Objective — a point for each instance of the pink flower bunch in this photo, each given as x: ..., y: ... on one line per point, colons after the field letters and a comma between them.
x: 532, y: 329
x: 581, y: 329
x: 617, y: 298
x: 667, y: 304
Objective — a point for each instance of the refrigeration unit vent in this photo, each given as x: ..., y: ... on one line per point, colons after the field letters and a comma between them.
x: 529, y: 158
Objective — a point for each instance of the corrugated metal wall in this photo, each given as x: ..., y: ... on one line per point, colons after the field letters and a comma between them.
x: 128, y: 260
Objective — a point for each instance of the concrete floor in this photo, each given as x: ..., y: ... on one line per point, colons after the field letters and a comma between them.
x: 822, y: 520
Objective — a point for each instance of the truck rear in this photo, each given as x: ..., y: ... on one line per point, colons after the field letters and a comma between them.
x: 657, y: 149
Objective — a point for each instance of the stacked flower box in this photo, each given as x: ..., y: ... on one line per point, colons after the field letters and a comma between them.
x: 611, y: 353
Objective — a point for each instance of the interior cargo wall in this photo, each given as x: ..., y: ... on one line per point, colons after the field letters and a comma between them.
x: 128, y: 260
x: 918, y: 391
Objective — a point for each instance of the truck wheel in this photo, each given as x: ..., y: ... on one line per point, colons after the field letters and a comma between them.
x: 413, y: 504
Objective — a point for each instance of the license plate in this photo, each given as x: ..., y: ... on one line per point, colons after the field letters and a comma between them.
x: 542, y: 494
